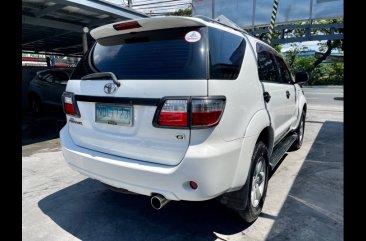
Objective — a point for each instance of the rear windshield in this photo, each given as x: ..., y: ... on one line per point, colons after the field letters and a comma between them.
x: 177, y: 53
x: 160, y: 54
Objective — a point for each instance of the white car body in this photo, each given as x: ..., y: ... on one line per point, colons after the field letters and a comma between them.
x: 148, y: 160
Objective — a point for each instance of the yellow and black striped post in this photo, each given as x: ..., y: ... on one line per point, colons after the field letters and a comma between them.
x: 273, y: 20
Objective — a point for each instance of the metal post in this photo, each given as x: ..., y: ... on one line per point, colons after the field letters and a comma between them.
x: 85, y: 39
x: 213, y: 9
x: 308, y: 30
x: 311, y: 10
x: 273, y: 20
x: 129, y: 3
x: 253, y: 17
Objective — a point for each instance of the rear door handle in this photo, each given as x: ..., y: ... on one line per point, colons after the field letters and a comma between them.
x: 266, y: 96
x: 288, y: 94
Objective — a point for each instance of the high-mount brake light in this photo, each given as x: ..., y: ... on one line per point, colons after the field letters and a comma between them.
x: 127, y: 25
x: 70, y: 105
x: 196, y: 113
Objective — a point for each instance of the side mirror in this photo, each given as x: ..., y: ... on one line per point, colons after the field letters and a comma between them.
x: 301, y: 77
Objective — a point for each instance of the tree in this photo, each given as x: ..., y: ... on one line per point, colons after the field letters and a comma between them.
x: 183, y: 12
x: 330, y: 44
x: 327, y: 47
x: 291, y: 55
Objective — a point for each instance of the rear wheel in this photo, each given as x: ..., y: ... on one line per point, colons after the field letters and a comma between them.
x: 255, y: 189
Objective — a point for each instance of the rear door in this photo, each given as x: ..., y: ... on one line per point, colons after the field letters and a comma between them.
x: 287, y: 82
x: 149, y: 66
x: 278, y: 95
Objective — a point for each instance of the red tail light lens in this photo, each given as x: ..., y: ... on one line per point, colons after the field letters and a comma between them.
x: 207, y: 112
x: 69, y: 103
x: 174, y: 113
x: 199, y: 112
x: 127, y: 25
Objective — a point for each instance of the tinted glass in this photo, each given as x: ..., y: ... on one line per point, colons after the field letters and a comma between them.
x: 158, y: 54
x: 226, y: 54
x: 48, y: 77
x: 60, y: 76
x: 285, y: 74
x: 266, y: 67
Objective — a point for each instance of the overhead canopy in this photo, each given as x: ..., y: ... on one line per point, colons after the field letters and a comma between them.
x: 56, y: 26
x: 254, y: 13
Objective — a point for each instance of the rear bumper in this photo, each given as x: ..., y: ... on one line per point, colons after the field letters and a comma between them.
x: 212, y: 166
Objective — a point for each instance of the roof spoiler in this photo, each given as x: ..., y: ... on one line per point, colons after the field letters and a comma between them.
x: 223, y: 21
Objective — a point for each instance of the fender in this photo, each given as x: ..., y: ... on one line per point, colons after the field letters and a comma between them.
x: 258, y: 122
x: 301, y: 103
x: 35, y: 92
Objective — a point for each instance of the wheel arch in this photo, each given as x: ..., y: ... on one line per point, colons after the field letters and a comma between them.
x: 234, y: 198
x: 267, y: 137
x: 302, y: 104
x: 33, y: 94
x: 259, y: 128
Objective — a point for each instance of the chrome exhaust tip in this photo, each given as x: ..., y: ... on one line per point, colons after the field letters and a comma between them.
x: 158, y: 201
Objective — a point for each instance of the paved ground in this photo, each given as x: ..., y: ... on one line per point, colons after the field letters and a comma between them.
x: 304, y: 199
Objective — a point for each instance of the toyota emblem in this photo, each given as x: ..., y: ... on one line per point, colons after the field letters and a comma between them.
x: 110, y: 88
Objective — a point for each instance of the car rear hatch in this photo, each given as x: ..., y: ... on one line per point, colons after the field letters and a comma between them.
x: 149, y: 64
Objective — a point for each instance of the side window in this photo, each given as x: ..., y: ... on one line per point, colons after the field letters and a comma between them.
x: 285, y: 73
x: 48, y: 78
x: 226, y: 54
x: 42, y: 75
x: 60, y: 77
x: 266, y: 67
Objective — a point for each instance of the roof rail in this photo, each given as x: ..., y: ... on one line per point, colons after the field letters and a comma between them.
x: 223, y: 21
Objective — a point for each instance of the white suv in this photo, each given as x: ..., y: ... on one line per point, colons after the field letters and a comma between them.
x: 182, y: 108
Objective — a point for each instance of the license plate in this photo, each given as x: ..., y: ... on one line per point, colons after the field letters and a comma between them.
x: 113, y: 114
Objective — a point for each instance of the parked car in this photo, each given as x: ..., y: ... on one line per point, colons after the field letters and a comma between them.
x: 46, y: 88
x: 182, y: 108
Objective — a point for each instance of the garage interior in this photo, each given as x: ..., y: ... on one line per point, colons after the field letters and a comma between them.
x: 56, y: 34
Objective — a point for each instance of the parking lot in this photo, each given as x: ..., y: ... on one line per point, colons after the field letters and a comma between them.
x: 304, y: 199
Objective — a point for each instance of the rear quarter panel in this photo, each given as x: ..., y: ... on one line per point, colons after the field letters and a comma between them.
x: 243, y: 98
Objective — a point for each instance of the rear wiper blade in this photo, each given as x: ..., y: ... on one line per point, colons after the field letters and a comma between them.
x: 102, y: 75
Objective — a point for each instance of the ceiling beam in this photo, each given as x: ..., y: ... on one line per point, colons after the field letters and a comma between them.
x: 101, y: 21
x: 48, y: 10
x: 51, y: 24
x: 103, y: 8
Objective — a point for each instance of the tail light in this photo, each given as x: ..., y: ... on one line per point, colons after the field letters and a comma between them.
x: 174, y: 113
x: 206, y: 112
x: 196, y: 112
x: 70, y: 105
x: 126, y: 25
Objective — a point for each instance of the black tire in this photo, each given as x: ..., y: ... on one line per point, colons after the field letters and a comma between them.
x: 300, y: 130
x: 251, y: 209
x: 35, y: 104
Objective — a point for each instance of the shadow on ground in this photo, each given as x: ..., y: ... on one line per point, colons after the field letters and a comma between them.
x: 42, y: 127
x: 313, y: 209
x: 89, y: 211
